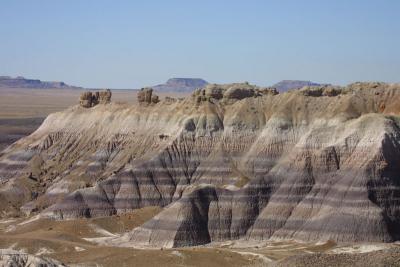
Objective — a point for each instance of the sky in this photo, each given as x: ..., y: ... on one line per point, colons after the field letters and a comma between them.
x: 131, y: 44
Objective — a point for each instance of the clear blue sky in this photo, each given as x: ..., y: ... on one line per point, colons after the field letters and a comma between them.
x: 129, y: 44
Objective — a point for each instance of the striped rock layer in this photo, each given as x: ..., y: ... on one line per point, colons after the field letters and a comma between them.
x: 299, y: 165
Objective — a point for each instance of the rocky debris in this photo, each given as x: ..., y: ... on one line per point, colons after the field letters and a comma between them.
x: 145, y: 95
x: 89, y: 99
x: 15, y: 258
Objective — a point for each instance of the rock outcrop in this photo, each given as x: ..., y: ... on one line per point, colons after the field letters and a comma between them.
x: 86, y: 99
x: 327, y: 90
x: 230, y: 92
x: 104, y: 97
x: 145, y: 95
x: 89, y: 99
x: 230, y: 162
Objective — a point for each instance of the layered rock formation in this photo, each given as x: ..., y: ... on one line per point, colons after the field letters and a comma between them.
x: 145, y: 95
x: 230, y: 162
x: 89, y: 99
x: 13, y: 258
x: 230, y: 92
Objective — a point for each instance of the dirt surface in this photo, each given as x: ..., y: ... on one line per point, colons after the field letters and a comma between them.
x: 12, y: 129
x: 73, y: 242
x: 66, y: 242
x: 389, y: 257
x: 34, y: 103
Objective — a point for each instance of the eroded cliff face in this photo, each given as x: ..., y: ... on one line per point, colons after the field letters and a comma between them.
x: 10, y: 257
x: 230, y: 162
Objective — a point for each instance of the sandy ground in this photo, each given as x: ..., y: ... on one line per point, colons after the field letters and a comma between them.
x: 66, y: 242
x: 69, y: 242
x: 38, y: 103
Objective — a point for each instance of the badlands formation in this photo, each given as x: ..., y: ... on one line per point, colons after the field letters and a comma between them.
x: 230, y: 162
x: 15, y: 258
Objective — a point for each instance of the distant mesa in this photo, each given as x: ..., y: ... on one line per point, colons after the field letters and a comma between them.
x: 287, y: 85
x: 21, y: 82
x: 180, y: 85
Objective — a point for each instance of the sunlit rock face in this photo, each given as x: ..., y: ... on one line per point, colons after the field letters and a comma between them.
x: 229, y: 162
x: 89, y: 99
x: 146, y: 96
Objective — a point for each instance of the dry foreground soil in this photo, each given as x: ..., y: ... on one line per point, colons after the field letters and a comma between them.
x: 78, y: 242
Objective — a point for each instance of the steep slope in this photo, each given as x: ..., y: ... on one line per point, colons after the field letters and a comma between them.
x: 231, y: 162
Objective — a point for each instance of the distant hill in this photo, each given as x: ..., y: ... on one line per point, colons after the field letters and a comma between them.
x: 181, y: 85
x: 21, y: 82
x: 286, y: 85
